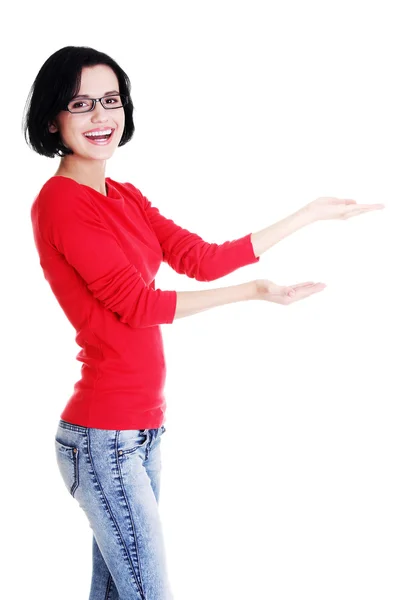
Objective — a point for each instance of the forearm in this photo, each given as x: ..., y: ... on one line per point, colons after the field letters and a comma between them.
x: 190, y: 303
x: 266, y: 238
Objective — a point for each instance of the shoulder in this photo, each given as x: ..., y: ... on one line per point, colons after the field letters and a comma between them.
x: 126, y: 185
x: 61, y: 197
x: 59, y: 183
x: 129, y: 190
x: 59, y: 187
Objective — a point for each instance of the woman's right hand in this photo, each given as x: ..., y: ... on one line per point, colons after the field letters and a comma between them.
x: 283, y: 294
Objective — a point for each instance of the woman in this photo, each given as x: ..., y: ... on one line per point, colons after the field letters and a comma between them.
x: 100, y: 244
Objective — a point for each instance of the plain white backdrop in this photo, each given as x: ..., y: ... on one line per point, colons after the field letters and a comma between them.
x: 281, y: 454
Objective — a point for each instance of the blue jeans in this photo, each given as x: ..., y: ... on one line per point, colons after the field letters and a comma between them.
x: 115, y: 477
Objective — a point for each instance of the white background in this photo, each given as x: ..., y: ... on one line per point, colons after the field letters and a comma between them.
x: 281, y: 457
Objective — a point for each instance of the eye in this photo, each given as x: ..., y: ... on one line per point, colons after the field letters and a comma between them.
x: 77, y: 104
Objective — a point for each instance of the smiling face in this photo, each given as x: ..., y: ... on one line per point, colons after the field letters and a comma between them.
x: 96, y: 82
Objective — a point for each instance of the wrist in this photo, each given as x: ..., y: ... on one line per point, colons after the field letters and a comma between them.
x: 306, y: 215
x: 253, y: 290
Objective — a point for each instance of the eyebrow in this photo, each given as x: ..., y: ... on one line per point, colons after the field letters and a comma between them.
x: 87, y: 95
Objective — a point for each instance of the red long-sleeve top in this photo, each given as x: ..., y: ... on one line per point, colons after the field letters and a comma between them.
x: 100, y: 255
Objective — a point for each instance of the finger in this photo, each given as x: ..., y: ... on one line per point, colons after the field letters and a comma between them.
x: 343, y: 201
x: 359, y: 211
x: 295, y: 290
x: 304, y: 293
x: 365, y: 207
x: 347, y: 201
x: 318, y: 287
x: 297, y: 286
x: 291, y: 290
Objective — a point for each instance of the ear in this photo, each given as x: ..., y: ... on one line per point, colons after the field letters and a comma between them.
x: 53, y: 127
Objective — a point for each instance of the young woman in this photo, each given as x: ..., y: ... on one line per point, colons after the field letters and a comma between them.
x: 101, y: 243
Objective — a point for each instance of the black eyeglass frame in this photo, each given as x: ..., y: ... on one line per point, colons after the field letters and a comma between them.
x: 124, y: 100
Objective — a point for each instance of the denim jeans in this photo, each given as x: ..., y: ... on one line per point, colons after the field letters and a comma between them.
x: 115, y: 477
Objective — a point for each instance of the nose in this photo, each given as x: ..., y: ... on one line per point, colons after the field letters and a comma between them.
x: 99, y: 113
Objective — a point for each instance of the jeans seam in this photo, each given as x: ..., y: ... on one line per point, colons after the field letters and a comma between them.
x: 109, y: 586
x: 121, y: 539
x: 130, y: 515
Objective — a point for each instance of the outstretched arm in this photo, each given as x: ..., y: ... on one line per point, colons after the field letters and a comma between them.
x: 188, y: 254
x: 266, y: 238
x: 323, y: 208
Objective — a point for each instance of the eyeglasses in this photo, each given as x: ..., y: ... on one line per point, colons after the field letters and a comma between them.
x: 82, y: 105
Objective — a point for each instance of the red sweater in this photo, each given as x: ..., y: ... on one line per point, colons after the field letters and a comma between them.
x: 100, y: 255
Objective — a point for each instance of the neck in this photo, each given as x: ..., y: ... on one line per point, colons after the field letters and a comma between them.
x: 89, y: 172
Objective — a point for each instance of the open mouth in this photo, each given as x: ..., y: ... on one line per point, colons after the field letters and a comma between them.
x: 100, y: 140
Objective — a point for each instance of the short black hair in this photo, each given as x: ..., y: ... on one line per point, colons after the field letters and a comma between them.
x: 57, y: 82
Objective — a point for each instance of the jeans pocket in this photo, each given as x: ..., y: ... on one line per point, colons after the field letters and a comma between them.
x: 67, y: 461
x: 131, y: 440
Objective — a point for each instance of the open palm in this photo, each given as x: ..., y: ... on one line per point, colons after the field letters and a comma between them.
x: 283, y: 294
x: 328, y: 207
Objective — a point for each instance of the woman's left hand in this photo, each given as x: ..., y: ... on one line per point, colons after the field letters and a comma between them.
x: 336, y: 208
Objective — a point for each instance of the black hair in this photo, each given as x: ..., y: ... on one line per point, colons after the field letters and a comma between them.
x: 57, y: 82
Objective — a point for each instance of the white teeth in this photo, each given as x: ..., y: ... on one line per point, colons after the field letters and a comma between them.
x: 96, y: 133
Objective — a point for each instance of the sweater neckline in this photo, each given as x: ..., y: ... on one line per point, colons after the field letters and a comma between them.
x: 112, y: 192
